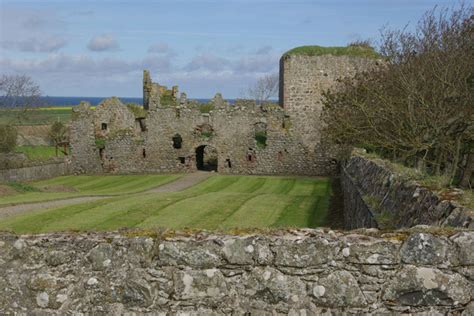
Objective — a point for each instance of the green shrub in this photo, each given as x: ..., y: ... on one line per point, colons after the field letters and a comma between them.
x: 353, y: 50
x: 206, y: 134
x: 8, y: 135
x: 206, y: 107
x: 22, y: 187
x: 167, y: 100
x: 137, y: 110
x: 100, y: 143
x: 261, y: 138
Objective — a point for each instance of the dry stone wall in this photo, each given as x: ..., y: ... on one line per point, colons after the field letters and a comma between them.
x: 43, y: 171
x: 375, y: 196
x: 299, y: 272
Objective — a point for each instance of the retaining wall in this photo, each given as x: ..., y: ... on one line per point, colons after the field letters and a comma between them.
x: 375, y: 196
x: 36, y: 172
x: 299, y: 272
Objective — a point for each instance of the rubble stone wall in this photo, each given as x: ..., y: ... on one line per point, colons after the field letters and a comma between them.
x: 30, y: 173
x: 229, y: 129
x: 375, y: 196
x: 299, y: 272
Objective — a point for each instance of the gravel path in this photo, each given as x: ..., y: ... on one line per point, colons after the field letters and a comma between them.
x: 8, y: 211
x: 183, y: 183
x: 175, y: 186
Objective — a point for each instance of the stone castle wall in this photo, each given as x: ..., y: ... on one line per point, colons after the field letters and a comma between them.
x: 293, y: 145
x: 300, y: 272
x: 303, y: 80
x: 375, y: 196
x: 146, y: 144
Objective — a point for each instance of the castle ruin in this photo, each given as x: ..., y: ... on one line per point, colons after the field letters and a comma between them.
x: 173, y: 134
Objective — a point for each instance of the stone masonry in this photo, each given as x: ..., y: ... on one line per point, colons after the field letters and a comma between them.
x: 376, y: 196
x: 111, y: 139
x: 298, y: 272
x: 303, y: 79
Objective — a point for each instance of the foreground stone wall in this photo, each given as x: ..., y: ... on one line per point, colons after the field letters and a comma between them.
x: 300, y: 272
x: 375, y: 196
x: 31, y: 173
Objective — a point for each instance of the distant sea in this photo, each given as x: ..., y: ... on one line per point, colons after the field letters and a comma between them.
x: 68, y: 101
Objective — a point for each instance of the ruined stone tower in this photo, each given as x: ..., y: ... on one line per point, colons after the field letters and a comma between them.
x: 304, y: 78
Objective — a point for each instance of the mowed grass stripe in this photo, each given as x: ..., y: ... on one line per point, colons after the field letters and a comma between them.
x: 213, y: 184
x: 127, y: 212
x: 43, y: 221
x: 195, y: 211
x: 219, y: 202
x: 260, y: 211
x: 90, y: 185
x: 247, y: 184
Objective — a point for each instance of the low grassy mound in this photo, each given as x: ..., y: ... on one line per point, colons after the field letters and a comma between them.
x: 352, y: 50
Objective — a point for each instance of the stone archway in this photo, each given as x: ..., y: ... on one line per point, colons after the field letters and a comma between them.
x: 206, y: 158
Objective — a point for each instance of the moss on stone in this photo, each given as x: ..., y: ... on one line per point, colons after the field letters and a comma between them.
x: 315, y: 50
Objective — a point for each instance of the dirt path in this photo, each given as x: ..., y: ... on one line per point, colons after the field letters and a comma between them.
x: 175, y: 186
x: 183, y: 183
x: 8, y: 211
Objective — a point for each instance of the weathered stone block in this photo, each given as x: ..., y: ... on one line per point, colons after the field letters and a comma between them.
x: 368, y: 250
x: 206, y: 254
x: 338, y: 289
x: 465, y: 244
x: 302, y: 253
x: 421, y: 286
x: 426, y: 249
x: 101, y: 256
x: 199, y: 284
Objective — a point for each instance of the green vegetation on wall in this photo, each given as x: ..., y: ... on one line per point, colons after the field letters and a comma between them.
x: 353, y: 50
x: 261, y: 138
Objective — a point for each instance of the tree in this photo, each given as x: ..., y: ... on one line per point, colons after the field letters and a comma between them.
x: 18, y: 91
x: 265, y: 88
x: 8, y: 135
x: 418, y: 107
x: 59, y: 135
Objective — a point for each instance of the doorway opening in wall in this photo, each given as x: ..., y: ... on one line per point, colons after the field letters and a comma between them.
x: 206, y: 158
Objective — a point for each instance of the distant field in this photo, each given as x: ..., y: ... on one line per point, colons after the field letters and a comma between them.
x: 38, y: 116
x: 39, y: 153
x: 220, y: 202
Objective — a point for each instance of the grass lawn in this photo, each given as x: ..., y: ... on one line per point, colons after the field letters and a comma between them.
x: 220, y: 202
x: 73, y: 186
x: 39, y: 152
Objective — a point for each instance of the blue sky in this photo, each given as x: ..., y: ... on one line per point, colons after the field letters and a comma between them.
x: 100, y: 48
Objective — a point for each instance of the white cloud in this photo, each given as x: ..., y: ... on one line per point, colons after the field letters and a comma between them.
x: 159, y: 48
x: 101, y: 43
x: 207, y: 61
x: 203, y: 75
x: 48, y: 44
x: 264, y: 50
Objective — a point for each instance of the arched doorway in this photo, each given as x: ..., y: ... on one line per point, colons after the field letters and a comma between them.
x: 206, y: 158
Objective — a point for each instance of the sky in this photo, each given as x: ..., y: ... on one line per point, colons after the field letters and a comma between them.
x: 100, y: 47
